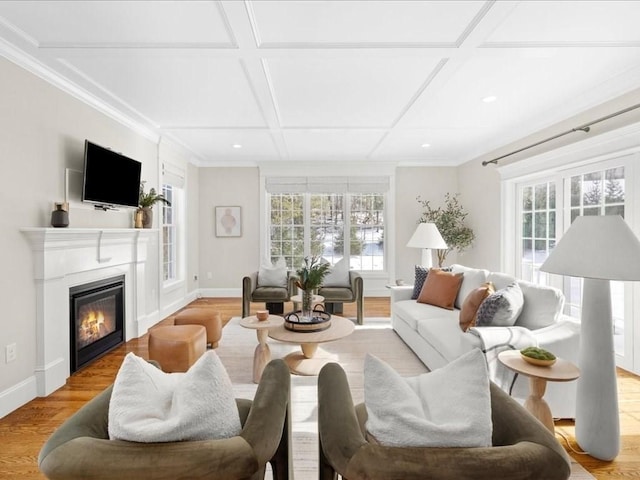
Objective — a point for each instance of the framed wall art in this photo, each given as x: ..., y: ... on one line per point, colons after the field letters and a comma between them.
x: 228, y: 221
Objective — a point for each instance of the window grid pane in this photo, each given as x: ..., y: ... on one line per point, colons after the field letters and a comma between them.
x: 169, y: 235
x: 538, y: 229
x: 326, y: 220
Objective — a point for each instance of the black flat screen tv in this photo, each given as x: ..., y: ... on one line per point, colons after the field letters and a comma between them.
x: 110, y: 179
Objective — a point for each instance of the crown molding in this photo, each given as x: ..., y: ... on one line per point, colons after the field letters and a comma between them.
x: 41, y: 70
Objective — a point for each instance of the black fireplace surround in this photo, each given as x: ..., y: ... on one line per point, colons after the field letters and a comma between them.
x: 96, y: 312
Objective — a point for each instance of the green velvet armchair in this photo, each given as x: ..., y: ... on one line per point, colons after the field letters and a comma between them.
x: 80, y: 449
x: 334, y: 297
x: 273, y: 296
x: 523, y: 449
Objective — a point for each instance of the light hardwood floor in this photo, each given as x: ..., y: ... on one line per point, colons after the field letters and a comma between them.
x: 24, y: 431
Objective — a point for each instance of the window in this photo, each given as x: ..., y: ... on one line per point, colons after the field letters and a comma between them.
x: 591, y: 192
x: 302, y: 224
x: 538, y: 220
x: 169, y: 234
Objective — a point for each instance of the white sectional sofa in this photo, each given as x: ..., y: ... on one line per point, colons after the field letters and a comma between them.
x: 434, y: 334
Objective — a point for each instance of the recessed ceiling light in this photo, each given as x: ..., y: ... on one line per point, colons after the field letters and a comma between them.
x: 425, y: 145
x: 489, y: 99
x: 236, y: 145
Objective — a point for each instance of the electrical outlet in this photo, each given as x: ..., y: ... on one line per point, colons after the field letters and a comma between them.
x: 195, y: 278
x: 11, y: 352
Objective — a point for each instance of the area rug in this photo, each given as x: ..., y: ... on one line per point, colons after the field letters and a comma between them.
x: 375, y: 336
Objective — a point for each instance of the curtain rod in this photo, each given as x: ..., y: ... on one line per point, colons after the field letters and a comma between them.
x: 582, y: 128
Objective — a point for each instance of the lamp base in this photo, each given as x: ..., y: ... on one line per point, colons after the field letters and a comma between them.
x: 427, y: 258
x: 597, y: 415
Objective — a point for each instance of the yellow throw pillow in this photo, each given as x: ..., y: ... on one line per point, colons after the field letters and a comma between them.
x: 440, y: 288
x: 468, y: 313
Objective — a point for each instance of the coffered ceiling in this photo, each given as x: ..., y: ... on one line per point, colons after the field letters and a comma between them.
x: 363, y: 81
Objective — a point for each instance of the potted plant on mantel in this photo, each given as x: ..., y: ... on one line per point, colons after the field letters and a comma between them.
x: 146, y: 201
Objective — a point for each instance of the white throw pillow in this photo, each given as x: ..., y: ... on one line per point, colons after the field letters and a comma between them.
x: 449, y: 407
x: 148, y: 405
x: 338, y: 275
x: 273, y: 275
x: 472, y: 278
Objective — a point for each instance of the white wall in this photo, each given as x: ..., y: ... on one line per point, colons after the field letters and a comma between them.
x: 228, y: 259
x: 42, y: 133
x: 480, y: 196
x: 430, y: 183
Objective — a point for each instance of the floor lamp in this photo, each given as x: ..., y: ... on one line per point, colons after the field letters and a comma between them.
x: 597, y: 249
x: 427, y: 237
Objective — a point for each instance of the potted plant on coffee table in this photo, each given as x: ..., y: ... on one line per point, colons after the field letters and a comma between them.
x: 310, y: 277
x: 146, y: 201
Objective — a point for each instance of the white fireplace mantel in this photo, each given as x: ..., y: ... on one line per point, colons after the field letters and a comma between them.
x: 67, y: 257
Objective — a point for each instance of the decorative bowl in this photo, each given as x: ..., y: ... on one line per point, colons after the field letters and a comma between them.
x: 538, y: 361
x: 538, y: 356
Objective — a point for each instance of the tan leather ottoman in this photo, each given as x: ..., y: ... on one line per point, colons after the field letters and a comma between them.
x: 177, y: 347
x: 208, y: 318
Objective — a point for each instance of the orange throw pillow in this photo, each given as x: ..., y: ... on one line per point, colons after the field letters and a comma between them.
x: 440, y: 288
x: 468, y: 313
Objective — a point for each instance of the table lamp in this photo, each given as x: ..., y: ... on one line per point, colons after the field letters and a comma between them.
x: 597, y: 249
x: 427, y: 237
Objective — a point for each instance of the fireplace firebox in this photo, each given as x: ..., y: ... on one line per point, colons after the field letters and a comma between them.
x: 96, y: 320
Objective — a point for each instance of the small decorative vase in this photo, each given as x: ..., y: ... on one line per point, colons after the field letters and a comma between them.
x: 60, y: 216
x: 138, y: 218
x: 147, y: 217
x: 307, y: 304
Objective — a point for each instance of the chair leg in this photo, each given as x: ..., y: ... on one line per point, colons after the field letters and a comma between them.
x: 275, y: 308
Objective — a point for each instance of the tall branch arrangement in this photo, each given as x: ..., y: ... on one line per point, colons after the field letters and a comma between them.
x: 311, y: 274
x: 450, y: 222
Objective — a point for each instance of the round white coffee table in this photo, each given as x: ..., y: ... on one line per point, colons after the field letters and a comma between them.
x: 262, y: 353
x: 311, y: 359
x: 561, y: 371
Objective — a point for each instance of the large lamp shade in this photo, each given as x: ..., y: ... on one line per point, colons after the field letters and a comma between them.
x: 427, y: 236
x: 598, y: 249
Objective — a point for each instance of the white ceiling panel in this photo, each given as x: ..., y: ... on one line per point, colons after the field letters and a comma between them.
x: 531, y: 88
x: 446, y: 146
x: 588, y: 22
x: 355, y: 81
x: 94, y: 23
x: 362, y: 91
x: 315, y: 144
x: 218, y: 145
x: 187, y: 90
x: 360, y: 22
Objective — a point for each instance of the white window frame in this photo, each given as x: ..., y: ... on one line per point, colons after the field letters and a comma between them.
x: 598, y: 154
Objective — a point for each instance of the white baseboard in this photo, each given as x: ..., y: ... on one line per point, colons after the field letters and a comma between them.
x: 220, y: 292
x: 17, y: 395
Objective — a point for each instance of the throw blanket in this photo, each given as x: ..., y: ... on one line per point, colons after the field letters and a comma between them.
x: 498, y: 339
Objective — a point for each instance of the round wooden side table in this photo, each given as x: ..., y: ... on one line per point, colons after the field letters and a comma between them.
x: 262, y: 353
x: 561, y: 371
x: 311, y: 359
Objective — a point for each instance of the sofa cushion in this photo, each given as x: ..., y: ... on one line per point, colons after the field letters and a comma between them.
x: 500, y: 280
x: 472, y: 279
x: 270, y: 294
x: 148, y: 405
x: 542, y: 305
x: 443, y: 333
x: 449, y: 407
x: 420, y: 276
x: 411, y: 311
x: 502, y: 308
x: 440, y: 288
x: 469, y: 310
